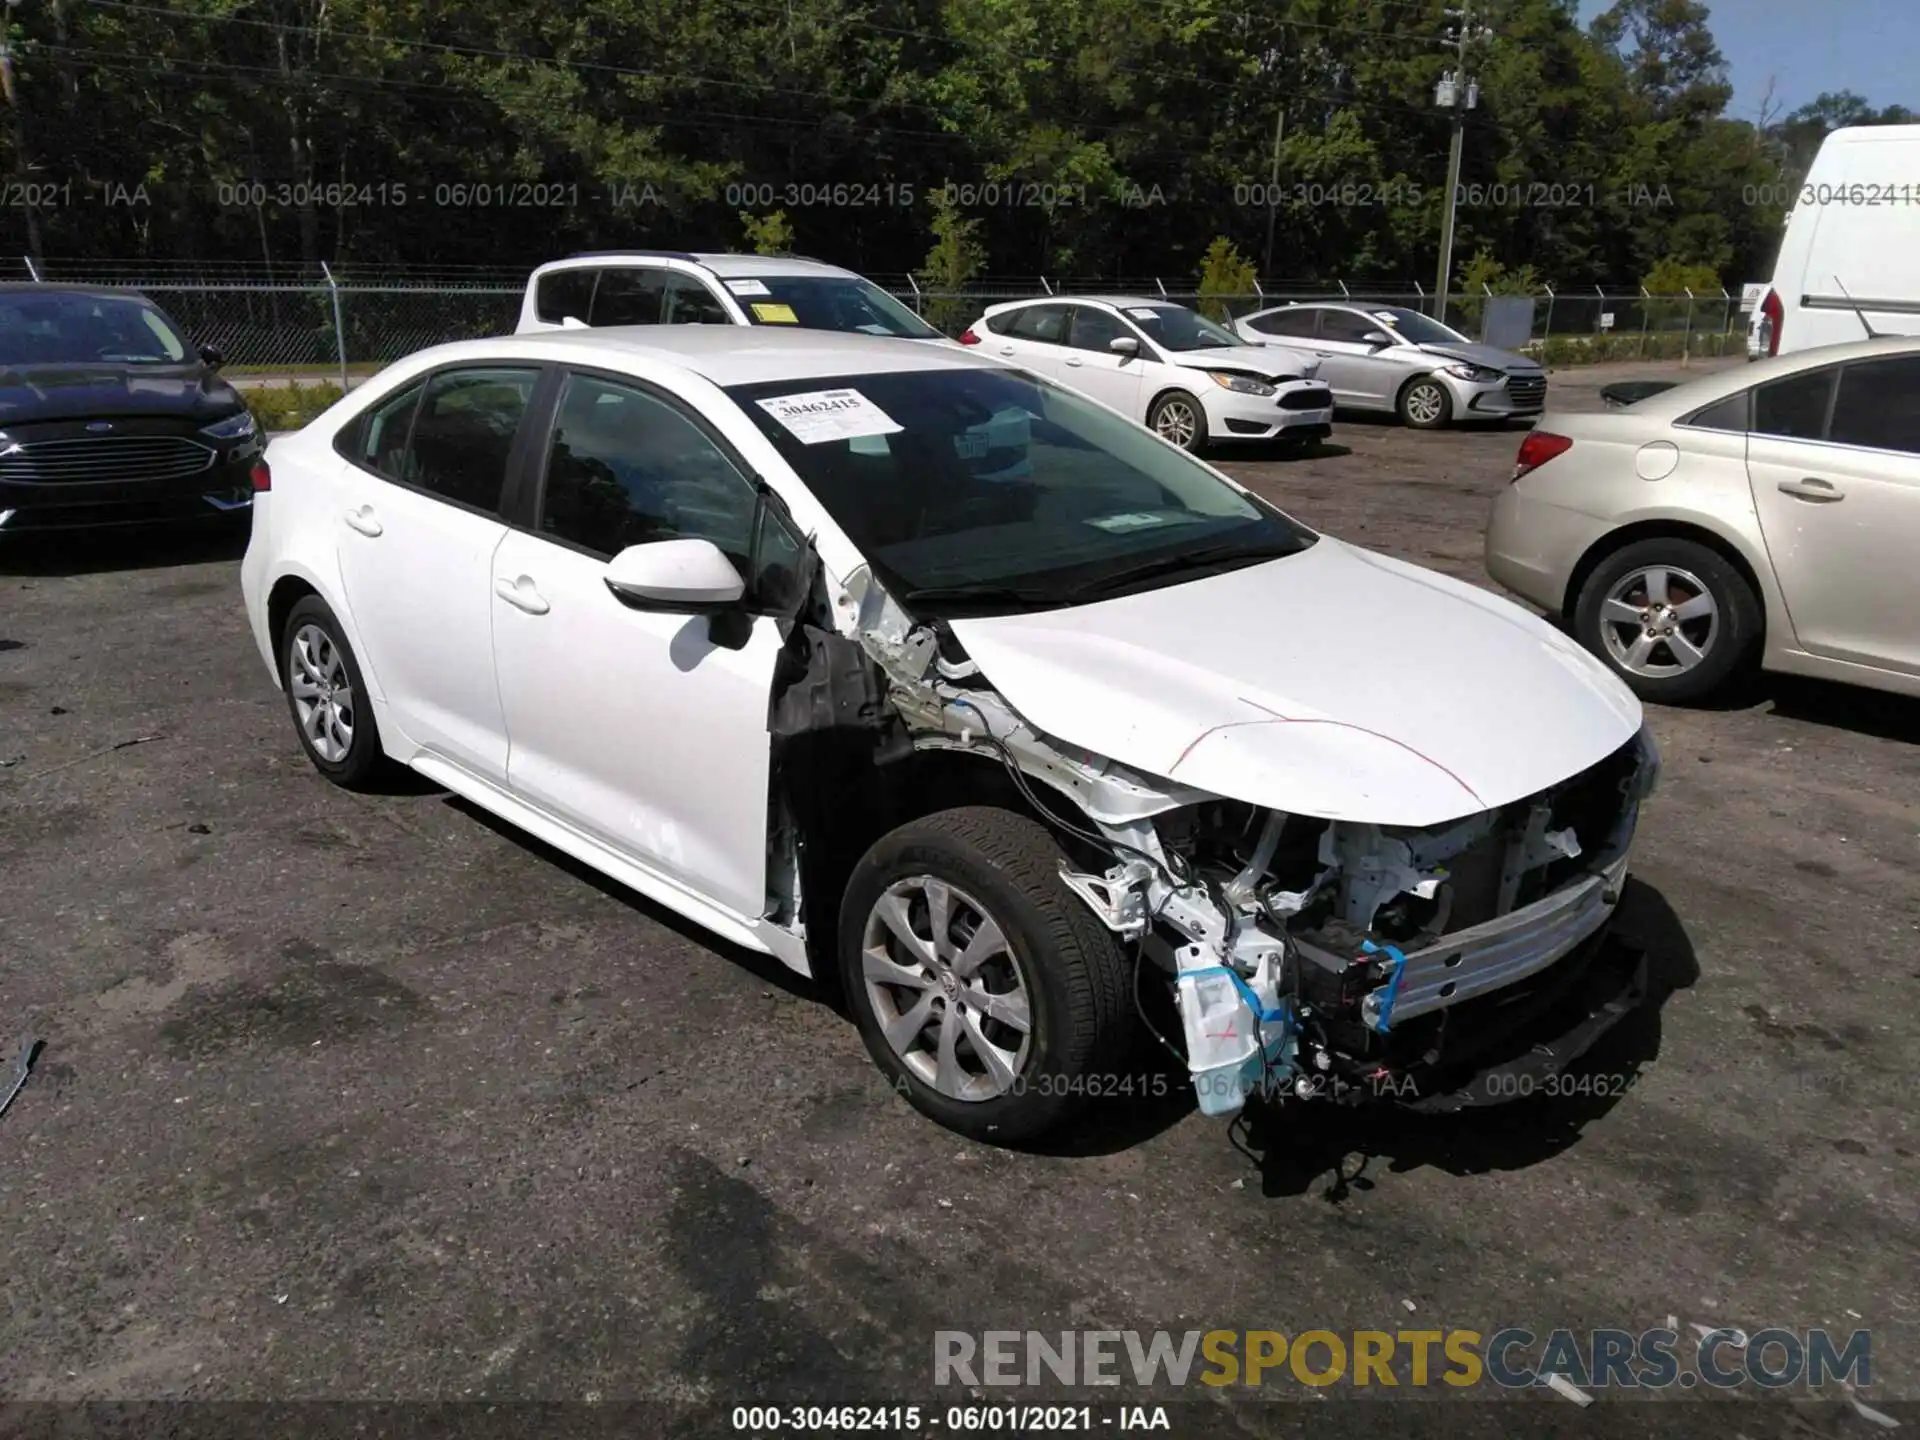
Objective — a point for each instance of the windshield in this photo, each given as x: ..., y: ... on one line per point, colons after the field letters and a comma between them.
x: 1174, y: 327
x: 828, y: 302
x: 976, y: 491
x: 1418, y: 329
x: 58, y: 327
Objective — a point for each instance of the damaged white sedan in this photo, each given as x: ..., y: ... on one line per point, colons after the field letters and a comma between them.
x: 908, y: 666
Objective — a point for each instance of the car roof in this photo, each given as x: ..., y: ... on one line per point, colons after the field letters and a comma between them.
x: 725, y: 354
x: 57, y: 287
x: 723, y: 264
x: 1692, y: 394
x: 1116, y: 301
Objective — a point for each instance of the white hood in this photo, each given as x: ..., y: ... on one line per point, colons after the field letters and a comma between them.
x: 1334, y: 683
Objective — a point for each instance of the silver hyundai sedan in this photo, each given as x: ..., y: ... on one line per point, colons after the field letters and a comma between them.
x: 1386, y: 357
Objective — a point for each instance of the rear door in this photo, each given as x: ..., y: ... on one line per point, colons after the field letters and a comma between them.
x: 423, y: 478
x: 1834, y: 460
x: 1033, y: 336
x: 1091, y: 367
x: 630, y: 295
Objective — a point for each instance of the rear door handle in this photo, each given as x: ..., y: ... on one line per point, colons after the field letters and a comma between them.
x: 1006, y: 349
x: 1075, y: 360
x: 364, y: 520
x: 521, y: 594
x: 1819, y: 491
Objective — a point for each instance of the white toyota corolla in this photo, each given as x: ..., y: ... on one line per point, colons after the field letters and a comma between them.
x: 897, y: 663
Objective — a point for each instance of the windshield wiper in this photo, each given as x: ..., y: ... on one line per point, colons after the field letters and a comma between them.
x: 986, y: 593
x: 1204, y: 558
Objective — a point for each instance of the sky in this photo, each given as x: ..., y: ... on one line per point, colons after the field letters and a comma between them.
x: 1810, y: 46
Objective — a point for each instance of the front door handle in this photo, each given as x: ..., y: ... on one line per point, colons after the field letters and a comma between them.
x: 1006, y: 349
x: 1075, y: 360
x: 1820, y: 491
x: 364, y: 520
x: 521, y: 594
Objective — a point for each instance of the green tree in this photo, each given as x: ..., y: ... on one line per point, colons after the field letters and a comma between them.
x: 768, y: 234
x: 956, y: 257
x: 1225, y: 276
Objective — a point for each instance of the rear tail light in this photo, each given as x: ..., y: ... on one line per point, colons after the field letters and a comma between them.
x: 1538, y: 448
x: 967, y: 337
x: 262, y: 476
x: 1773, y: 316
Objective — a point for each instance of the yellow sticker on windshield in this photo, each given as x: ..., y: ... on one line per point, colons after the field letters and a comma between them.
x: 771, y: 313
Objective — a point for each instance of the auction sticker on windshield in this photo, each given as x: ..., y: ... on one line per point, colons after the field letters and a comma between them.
x: 1141, y: 312
x: 821, y: 415
x: 773, y: 313
x: 748, y: 287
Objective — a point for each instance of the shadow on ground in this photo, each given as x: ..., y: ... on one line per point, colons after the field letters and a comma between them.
x: 134, y: 547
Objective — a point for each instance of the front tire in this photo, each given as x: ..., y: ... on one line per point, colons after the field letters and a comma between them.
x: 1178, y: 417
x: 984, y: 989
x: 1671, y: 617
x: 327, y: 697
x: 1426, y: 404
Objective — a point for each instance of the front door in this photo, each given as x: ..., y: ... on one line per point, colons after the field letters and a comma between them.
x: 1834, y: 459
x: 1089, y: 366
x: 416, y: 541
x: 634, y: 726
x: 1353, y: 368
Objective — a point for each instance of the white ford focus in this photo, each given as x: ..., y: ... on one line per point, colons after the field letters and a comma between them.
x: 892, y: 660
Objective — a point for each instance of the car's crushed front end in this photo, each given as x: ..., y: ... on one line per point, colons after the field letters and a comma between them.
x: 1316, y: 958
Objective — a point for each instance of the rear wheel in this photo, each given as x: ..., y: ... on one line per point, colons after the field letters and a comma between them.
x: 1177, y: 416
x: 983, y: 988
x: 328, y: 697
x: 1672, y: 617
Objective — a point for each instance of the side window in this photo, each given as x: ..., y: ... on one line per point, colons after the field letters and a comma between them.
x: 1044, y: 323
x: 689, y: 302
x: 463, y: 434
x: 1875, y: 405
x: 779, y: 556
x: 627, y: 468
x: 1093, y: 328
x: 629, y: 295
x: 1346, y: 327
x: 563, y: 293
x: 1298, y: 323
x: 1729, y: 414
x: 378, y: 439
x: 1794, y: 408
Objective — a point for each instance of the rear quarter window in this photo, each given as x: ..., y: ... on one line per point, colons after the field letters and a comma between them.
x: 563, y: 293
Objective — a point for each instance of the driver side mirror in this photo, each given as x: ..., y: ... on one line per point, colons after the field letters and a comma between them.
x: 1376, y: 339
x: 211, y: 357
x: 1124, y: 345
x: 684, y: 577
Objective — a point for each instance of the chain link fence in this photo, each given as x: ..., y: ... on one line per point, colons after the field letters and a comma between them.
x: 350, y: 322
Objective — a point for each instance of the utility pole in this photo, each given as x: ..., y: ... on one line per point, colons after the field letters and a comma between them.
x: 1273, y: 189
x: 1457, y: 93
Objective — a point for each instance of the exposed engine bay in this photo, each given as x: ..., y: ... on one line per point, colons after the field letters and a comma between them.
x: 1309, y: 958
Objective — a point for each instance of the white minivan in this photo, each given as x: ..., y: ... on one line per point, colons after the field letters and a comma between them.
x: 1849, y: 265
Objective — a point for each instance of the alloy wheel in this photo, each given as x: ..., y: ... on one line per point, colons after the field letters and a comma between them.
x: 1425, y: 403
x: 1659, y: 621
x: 1177, y: 422
x: 322, y: 691
x: 947, y: 990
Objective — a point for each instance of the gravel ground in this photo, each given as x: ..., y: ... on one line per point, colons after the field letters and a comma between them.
x: 351, y: 1097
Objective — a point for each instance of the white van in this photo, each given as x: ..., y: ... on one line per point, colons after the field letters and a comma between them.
x: 1850, y: 257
